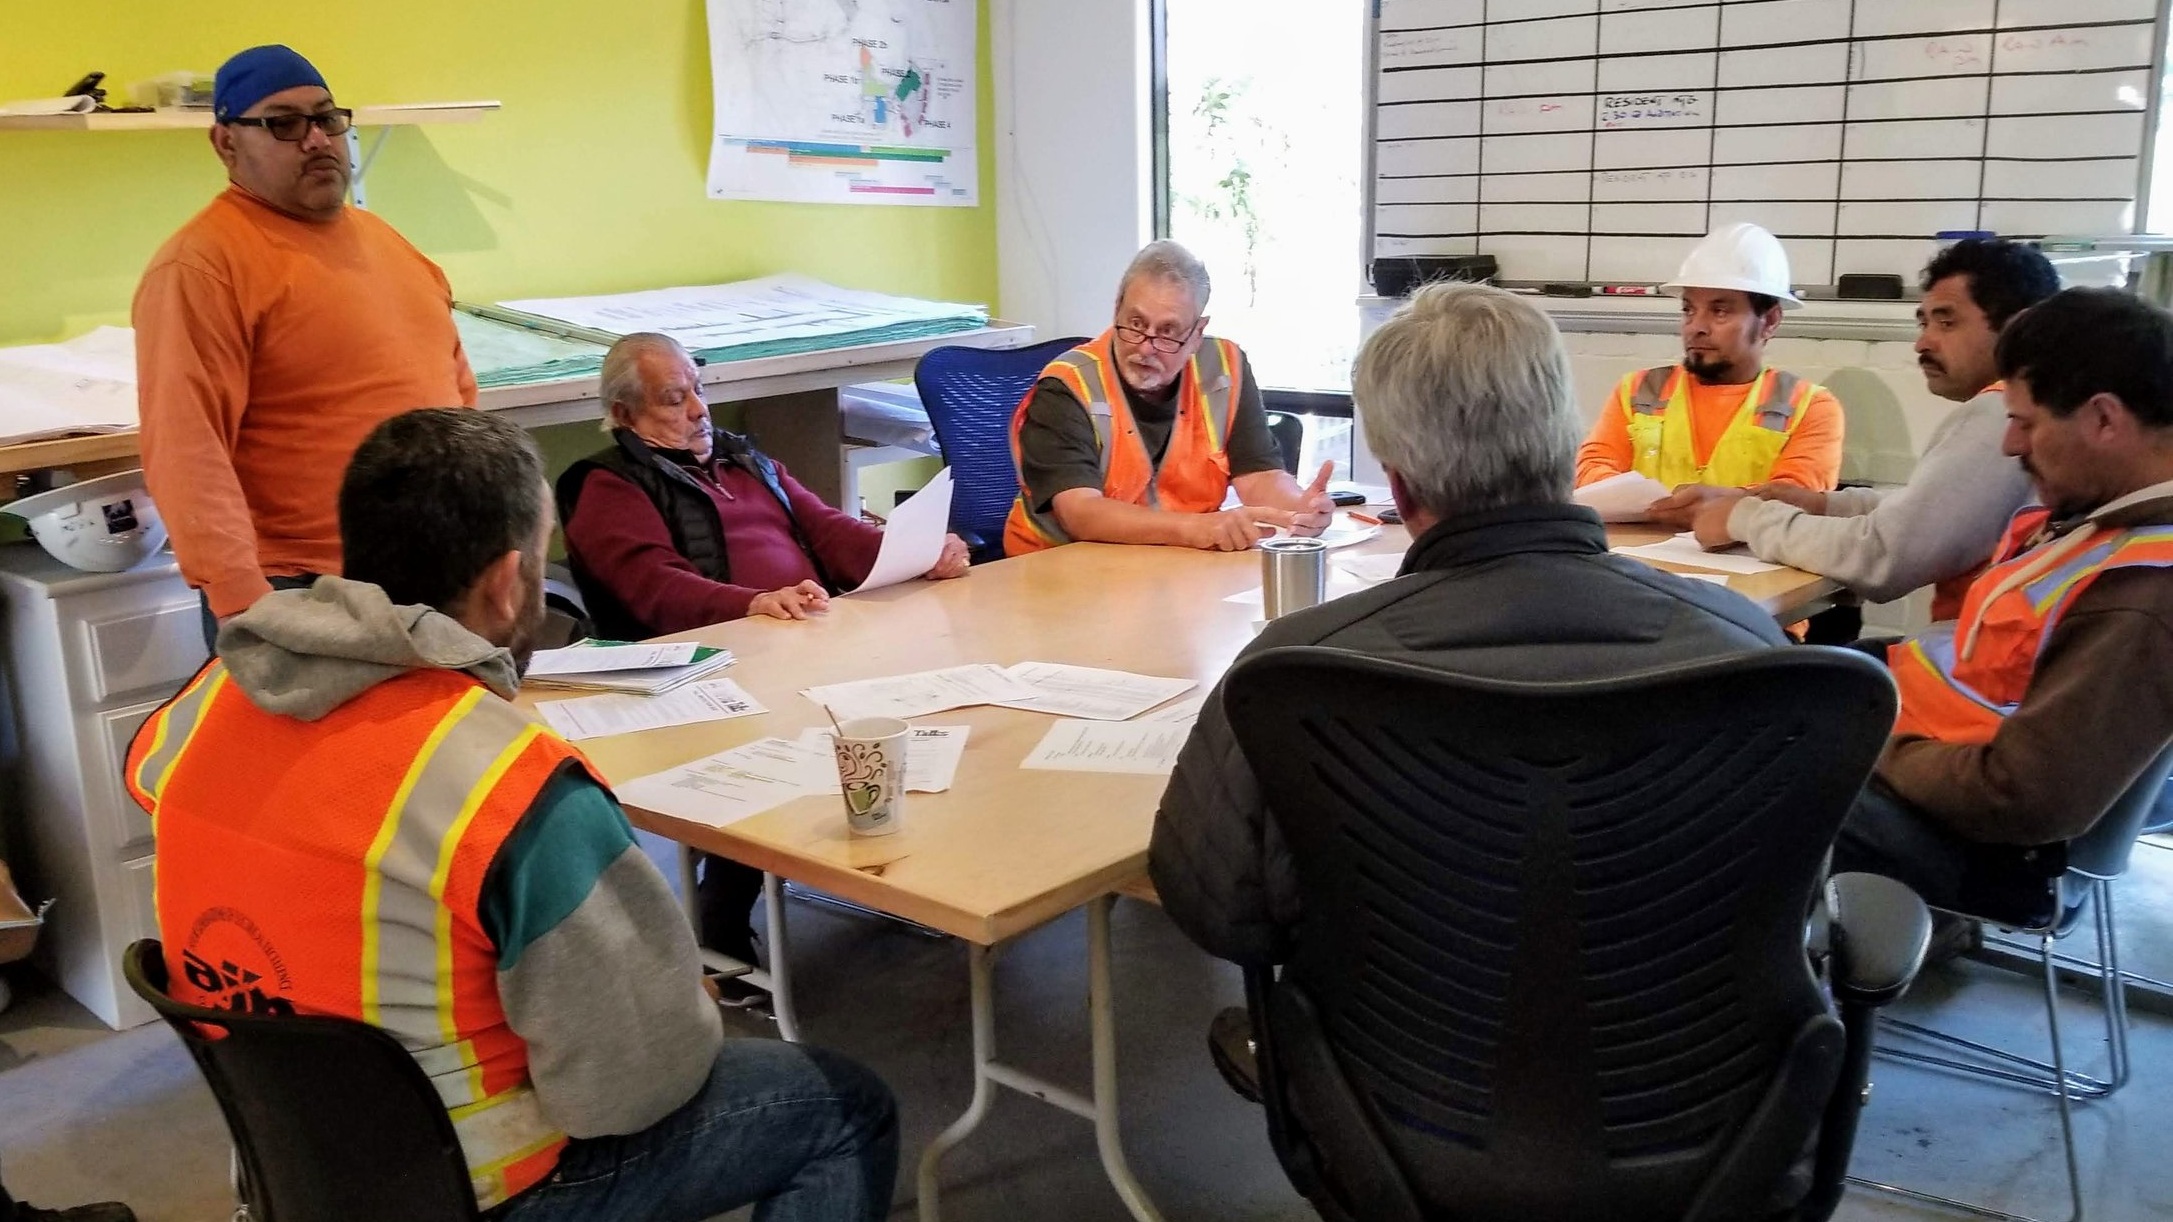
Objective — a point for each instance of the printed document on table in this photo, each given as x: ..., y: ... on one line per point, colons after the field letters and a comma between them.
x: 913, y: 537
x: 620, y: 713
x: 1371, y: 569
x: 931, y: 756
x: 1089, y: 692
x: 724, y: 788
x: 1683, y: 549
x: 1621, y: 498
x: 1184, y: 712
x: 1143, y: 747
x: 593, y: 658
x: 921, y: 693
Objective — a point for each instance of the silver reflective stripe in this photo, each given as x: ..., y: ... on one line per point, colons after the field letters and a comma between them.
x: 1218, y: 388
x: 1779, y: 411
x: 175, y: 725
x: 1650, y: 397
x: 406, y: 988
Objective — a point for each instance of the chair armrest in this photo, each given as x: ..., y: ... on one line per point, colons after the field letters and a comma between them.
x: 1880, y: 932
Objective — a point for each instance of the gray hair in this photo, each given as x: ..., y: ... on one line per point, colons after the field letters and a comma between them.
x: 1465, y: 394
x: 1166, y: 260
x: 621, y: 377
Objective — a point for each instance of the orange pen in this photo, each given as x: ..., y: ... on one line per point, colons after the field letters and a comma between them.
x: 1367, y: 518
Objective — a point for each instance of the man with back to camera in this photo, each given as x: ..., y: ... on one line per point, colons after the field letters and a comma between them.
x: 1938, y: 528
x: 273, y: 331
x: 1140, y: 435
x: 1720, y: 418
x: 353, y: 814
x: 1465, y: 398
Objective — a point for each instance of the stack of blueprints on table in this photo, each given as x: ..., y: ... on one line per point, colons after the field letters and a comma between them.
x: 773, y: 316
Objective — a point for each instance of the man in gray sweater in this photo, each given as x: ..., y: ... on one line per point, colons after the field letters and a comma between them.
x: 1939, y: 528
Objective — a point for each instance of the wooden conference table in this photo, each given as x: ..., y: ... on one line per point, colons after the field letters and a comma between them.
x: 1005, y: 849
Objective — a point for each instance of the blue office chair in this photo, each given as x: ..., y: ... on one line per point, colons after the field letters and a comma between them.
x: 970, y: 394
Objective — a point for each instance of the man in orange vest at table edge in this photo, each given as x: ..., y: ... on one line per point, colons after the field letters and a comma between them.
x: 2025, y: 719
x: 1720, y: 418
x: 1140, y: 434
x: 354, y: 820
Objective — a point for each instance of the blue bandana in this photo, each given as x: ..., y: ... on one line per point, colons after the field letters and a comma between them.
x: 256, y: 74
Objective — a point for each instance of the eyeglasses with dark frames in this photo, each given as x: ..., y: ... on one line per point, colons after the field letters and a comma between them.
x: 1160, y: 343
x: 292, y: 128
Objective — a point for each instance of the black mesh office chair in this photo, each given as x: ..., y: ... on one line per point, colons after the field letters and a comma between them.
x: 332, y: 1120
x: 1551, y: 958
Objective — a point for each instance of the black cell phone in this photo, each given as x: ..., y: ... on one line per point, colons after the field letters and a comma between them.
x: 1347, y: 497
x: 1390, y: 516
x: 89, y: 84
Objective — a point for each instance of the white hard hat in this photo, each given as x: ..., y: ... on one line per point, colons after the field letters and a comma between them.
x: 103, y: 525
x: 1741, y: 256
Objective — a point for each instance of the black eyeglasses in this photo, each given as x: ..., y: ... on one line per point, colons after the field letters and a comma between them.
x: 1160, y: 343
x: 292, y: 128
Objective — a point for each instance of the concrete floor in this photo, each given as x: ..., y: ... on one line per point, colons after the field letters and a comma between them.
x: 86, y: 1113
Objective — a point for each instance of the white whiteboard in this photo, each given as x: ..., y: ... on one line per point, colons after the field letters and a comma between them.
x: 1594, y: 140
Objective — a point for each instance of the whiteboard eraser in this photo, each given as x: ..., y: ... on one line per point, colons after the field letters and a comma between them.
x: 1869, y: 286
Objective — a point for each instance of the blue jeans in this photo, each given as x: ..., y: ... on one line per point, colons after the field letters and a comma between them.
x: 211, y: 622
x: 803, y: 1134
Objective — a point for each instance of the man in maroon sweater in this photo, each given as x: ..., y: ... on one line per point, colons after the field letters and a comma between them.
x: 677, y: 524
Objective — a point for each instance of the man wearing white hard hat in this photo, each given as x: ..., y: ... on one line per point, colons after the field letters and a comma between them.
x: 1720, y: 418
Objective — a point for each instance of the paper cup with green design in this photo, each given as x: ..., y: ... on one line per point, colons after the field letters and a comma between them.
x: 871, y: 768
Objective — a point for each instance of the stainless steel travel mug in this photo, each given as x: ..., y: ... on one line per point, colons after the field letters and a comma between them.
x: 1293, y: 575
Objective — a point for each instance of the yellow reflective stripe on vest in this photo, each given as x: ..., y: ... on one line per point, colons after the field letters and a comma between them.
x: 177, y: 724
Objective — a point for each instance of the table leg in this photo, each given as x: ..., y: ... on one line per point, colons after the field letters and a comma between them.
x: 780, y: 980
x: 989, y: 1074
x: 979, y: 970
x: 1102, y: 1015
x: 773, y: 981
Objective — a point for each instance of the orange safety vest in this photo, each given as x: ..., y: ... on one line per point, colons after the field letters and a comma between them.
x: 1663, y: 444
x: 336, y: 867
x: 1194, y: 474
x: 1959, y: 681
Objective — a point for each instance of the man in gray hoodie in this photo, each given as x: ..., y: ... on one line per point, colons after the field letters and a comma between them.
x: 354, y: 820
x: 1939, y: 528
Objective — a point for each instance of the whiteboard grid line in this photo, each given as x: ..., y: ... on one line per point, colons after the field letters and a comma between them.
x: 1588, y: 166
x: 1852, y: 40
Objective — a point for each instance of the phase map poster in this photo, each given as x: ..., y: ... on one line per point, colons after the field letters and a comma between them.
x: 844, y: 101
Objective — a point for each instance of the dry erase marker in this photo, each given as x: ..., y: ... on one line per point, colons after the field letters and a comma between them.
x: 1628, y: 290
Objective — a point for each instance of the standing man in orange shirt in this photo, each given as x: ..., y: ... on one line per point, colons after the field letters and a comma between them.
x: 273, y: 332
x: 1720, y: 418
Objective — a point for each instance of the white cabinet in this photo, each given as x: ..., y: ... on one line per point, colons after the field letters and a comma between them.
x: 89, y: 657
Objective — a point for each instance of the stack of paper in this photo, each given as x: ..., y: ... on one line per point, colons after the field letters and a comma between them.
x: 1683, y: 549
x: 917, y: 695
x: 620, y: 713
x: 84, y: 386
x: 504, y: 353
x: 1622, y: 498
x: 772, y: 316
x: 1091, y: 693
x: 616, y: 666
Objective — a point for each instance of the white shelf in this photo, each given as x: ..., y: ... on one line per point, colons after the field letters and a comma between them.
x: 406, y: 115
